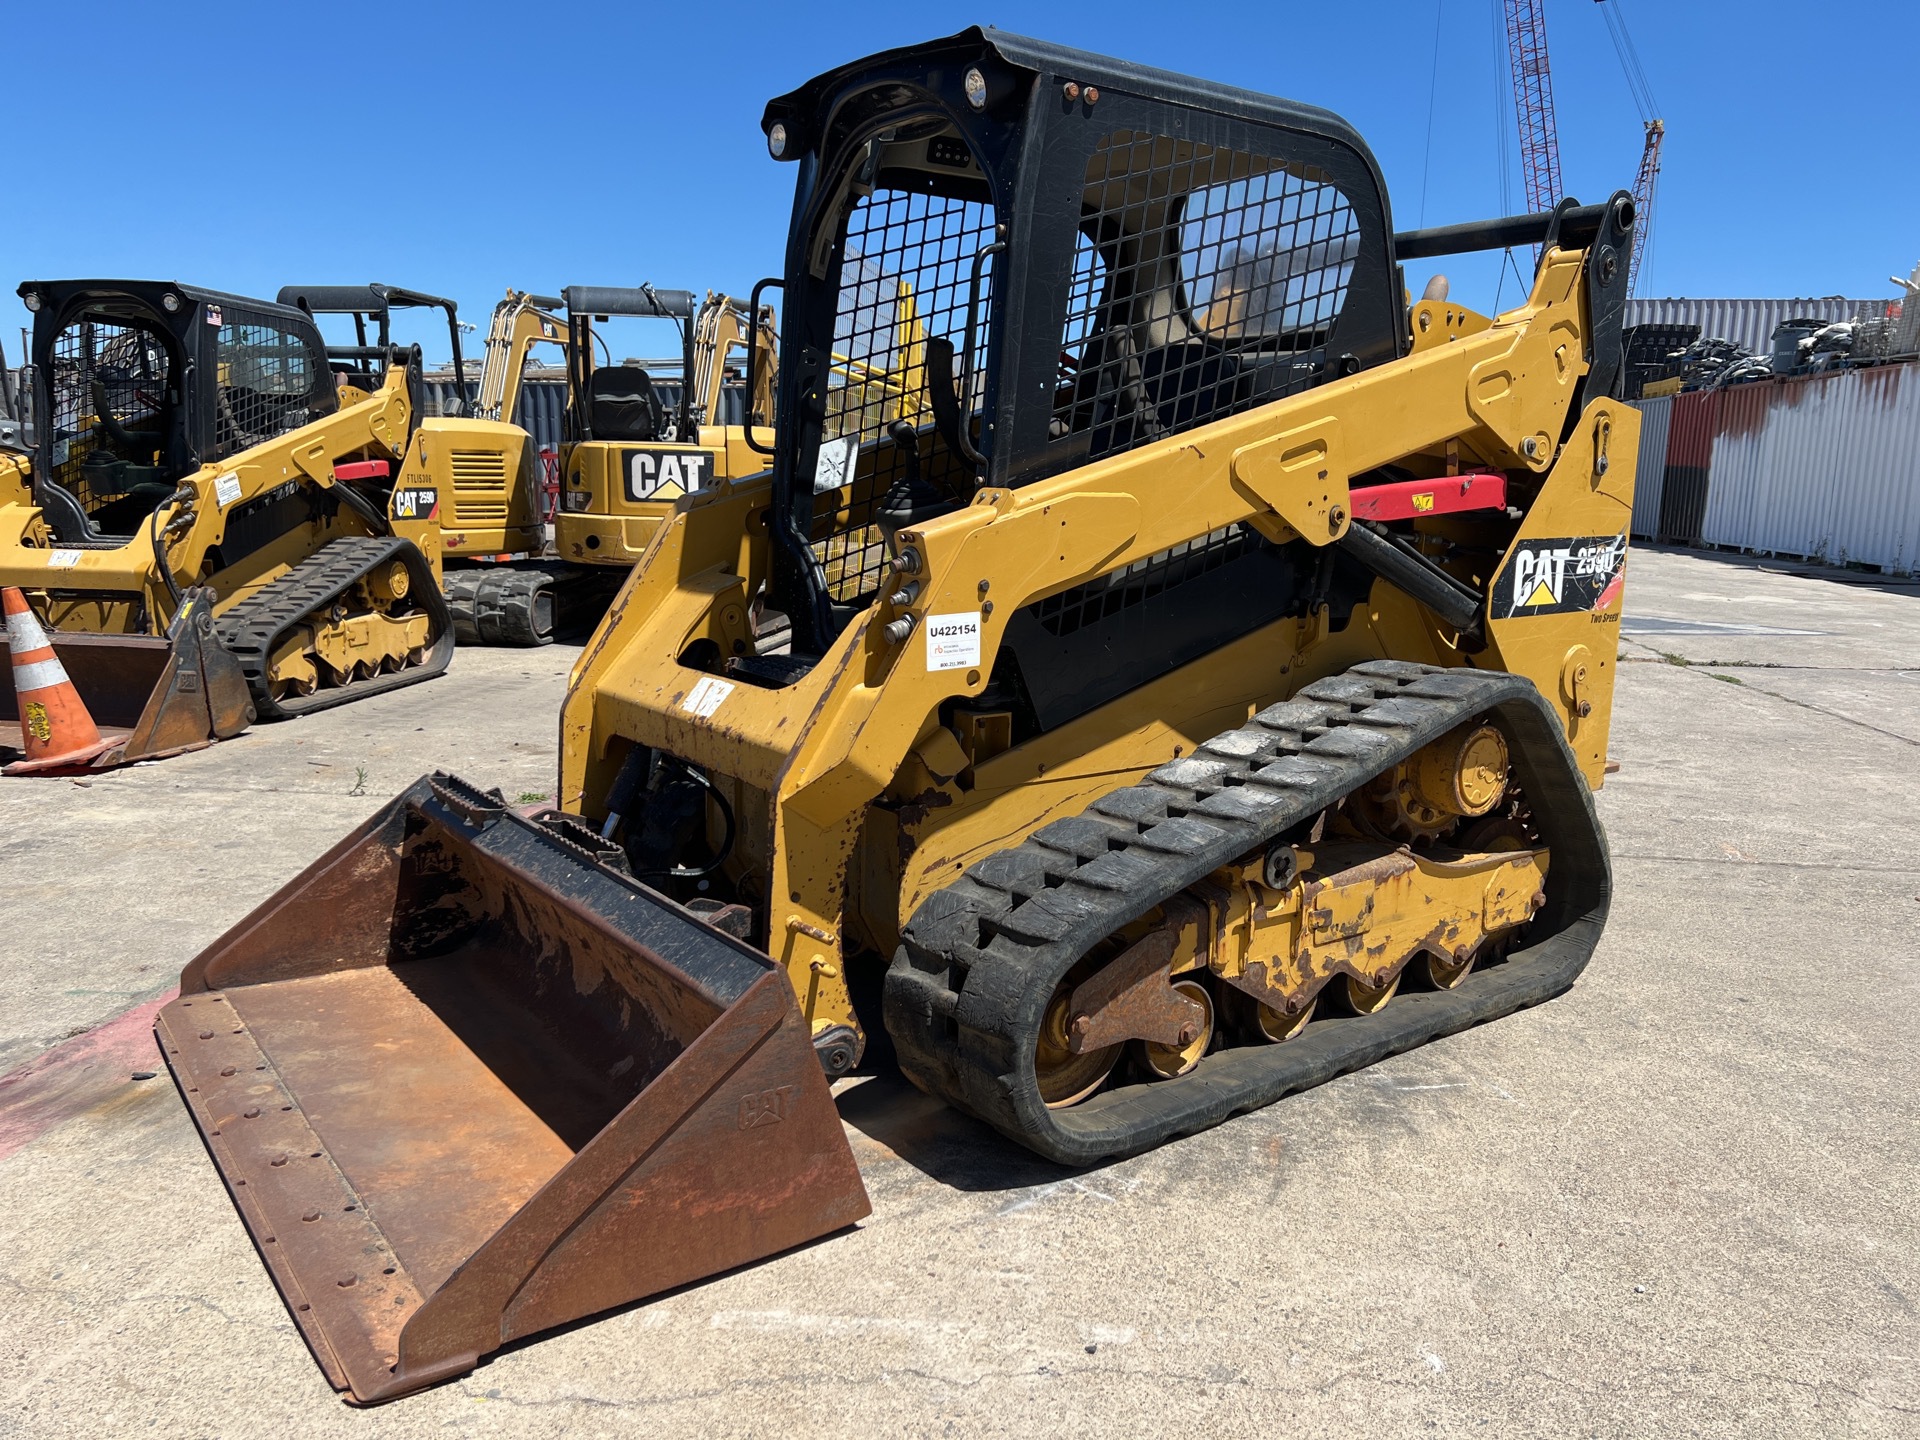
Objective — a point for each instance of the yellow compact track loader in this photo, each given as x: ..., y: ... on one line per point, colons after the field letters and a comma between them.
x: 1196, y: 689
x: 212, y: 529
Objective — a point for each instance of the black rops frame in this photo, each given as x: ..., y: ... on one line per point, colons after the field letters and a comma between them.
x: 195, y: 348
x: 1030, y: 121
x: 644, y: 302
x: 1367, y: 330
x: 378, y: 302
x: 830, y: 121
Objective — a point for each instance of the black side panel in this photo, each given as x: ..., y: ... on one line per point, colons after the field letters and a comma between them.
x: 1077, y: 650
x: 265, y: 518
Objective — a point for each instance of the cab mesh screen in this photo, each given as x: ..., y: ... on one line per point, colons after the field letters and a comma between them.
x: 906, y: 271
x: 107, y: 390
x: 1206, y: 281
x: 266, y: 384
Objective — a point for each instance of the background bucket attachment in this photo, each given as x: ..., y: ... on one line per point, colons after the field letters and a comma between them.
x: 465, y: 1082
x: 149, y: 695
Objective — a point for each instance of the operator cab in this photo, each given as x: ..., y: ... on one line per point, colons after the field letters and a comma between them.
x: 143, y: 382
x: 1011, y: 259
x: 632, y: 399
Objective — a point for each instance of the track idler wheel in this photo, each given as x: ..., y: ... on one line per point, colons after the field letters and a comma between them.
x: 1365, y: 999
x: 1066, y: 1078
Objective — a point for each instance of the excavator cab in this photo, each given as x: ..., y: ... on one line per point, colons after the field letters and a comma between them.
x: 143, y: 382
x: 639, y: 437
x: 361, y: 368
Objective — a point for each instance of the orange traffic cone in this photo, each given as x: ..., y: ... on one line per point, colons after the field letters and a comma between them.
x: 55, y: 727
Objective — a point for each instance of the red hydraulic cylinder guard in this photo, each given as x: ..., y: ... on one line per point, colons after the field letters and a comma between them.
x: 1446, y: 495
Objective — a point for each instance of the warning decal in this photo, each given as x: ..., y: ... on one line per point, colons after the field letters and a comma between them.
x: 705, y: 697
x: 1554, y: 577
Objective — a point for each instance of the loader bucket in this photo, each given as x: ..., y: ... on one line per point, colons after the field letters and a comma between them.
x: 151, y: 695
x: 466, y: 1082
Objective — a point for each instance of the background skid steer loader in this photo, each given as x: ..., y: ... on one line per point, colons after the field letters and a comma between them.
x: 211, y: 532
x: 1200, y: 668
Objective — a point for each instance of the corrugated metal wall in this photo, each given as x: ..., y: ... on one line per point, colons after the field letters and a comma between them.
x: 1824, y: 466
x: 1650, y: 479
x: 1749, y: 323
x: 1683, y: 487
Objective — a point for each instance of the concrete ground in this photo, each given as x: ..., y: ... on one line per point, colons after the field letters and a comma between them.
x: 1678, y: 1201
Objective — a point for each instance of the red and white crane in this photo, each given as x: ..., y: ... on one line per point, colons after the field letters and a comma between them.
x: 1539, y: 137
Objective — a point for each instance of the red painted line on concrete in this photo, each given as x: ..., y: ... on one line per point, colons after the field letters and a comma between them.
x: 76, y: 1074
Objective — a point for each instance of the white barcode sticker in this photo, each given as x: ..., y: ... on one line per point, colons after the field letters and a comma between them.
x: 226, y: 489
x: 63, y: 559
x: 953, y: 641
x: 705, y: 697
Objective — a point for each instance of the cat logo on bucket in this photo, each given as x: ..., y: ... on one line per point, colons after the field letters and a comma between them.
x: 1553, y: 577
x: 667, y: 474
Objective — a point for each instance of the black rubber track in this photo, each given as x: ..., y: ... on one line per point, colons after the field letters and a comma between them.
x: 252, y: 628
x: 982, y: 956
x: 495, y: 605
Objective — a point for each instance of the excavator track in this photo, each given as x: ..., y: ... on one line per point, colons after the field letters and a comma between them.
x: 497, y: 606
x: 252, y: 628
x: 982, y: 956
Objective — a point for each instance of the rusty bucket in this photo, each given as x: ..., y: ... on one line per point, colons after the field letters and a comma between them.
x: 467, y: 1080
x: 150, y: 695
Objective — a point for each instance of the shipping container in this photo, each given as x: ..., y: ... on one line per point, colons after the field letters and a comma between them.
x: 1650, y: 478
x: 1683, y: 485
x: 1821, y: 466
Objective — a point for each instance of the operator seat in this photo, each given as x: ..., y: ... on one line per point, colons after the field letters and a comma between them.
x: 622, y: 404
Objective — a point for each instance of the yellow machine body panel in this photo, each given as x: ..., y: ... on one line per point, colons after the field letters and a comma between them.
x: 615, y: 496
x: 811, y: 761
x: 486, y: 478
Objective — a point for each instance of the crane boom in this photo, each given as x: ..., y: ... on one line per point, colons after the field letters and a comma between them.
x: 1644, y: 185
x: 1533, y: 103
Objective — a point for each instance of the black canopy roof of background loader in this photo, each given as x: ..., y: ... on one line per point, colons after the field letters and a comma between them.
x: 210, y: 407
x: 147, y: 297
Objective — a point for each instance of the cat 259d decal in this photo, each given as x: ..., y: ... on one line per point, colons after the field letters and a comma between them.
x: 1552, y: 577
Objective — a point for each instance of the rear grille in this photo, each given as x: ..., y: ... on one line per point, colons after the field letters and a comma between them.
x: 478, y: 512
x: 479, y: 470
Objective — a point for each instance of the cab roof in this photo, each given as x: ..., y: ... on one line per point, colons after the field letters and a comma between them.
x: 1043, y: 57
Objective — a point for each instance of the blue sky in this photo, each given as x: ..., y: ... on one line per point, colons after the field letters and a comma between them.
x: 462, y: 149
